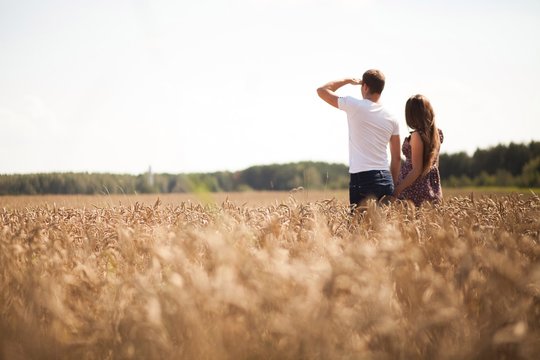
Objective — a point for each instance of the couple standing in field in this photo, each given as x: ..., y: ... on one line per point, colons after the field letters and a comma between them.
x: 372, y: 128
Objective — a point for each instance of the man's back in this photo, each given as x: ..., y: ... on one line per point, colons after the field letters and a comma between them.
x: 370, y: 129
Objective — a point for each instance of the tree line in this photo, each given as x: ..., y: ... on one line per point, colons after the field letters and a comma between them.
x: 502, y: 165
x: 279, y: 177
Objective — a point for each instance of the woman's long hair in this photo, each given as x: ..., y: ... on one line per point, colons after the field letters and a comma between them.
x: 419, y: 116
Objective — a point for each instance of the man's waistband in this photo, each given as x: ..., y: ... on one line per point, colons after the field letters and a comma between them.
x: 370, y: 174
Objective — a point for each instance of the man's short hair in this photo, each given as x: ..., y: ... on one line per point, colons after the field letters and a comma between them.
x: 374, y: 79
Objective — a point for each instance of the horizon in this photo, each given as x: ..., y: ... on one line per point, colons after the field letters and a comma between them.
x: 149, y: 168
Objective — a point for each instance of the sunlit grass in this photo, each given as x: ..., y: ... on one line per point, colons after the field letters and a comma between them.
x: 287, y: 278
x: 248, y: 198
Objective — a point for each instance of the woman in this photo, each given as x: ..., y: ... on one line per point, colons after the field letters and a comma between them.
x: 419, y: 179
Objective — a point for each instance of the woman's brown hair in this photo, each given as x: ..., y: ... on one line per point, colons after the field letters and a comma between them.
x: 420, y: 116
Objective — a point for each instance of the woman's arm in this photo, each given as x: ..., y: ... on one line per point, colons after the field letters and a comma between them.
x: 417, y: 158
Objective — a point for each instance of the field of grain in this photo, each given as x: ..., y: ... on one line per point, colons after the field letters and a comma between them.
x: 288, y: 277
x: 249, y: 199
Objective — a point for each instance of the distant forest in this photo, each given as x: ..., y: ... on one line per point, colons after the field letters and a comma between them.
x: 503, y: 165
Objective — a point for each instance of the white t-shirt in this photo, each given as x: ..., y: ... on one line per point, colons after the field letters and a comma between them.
x: 370, y: 128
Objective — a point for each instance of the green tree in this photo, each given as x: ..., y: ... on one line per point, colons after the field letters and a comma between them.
x: 455, y: 165
x: 531, y: 173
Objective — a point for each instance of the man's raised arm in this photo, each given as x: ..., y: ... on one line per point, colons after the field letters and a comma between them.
x: 327, y: 91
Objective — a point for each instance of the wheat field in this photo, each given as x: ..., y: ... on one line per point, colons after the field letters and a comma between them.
x: 296, y: 277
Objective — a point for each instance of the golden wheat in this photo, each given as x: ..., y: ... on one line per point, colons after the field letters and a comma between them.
x: 290, y: 280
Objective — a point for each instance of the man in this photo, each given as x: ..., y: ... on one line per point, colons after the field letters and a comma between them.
x: 371, y: 129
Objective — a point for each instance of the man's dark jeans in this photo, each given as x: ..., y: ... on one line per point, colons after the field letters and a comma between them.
x: 366, y: 184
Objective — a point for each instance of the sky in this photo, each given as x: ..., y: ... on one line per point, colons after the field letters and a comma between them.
x: 220, y: 85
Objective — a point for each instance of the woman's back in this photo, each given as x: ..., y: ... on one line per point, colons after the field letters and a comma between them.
x: 424, y: 188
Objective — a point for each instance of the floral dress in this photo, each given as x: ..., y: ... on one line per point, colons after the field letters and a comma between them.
x: 424, y: 188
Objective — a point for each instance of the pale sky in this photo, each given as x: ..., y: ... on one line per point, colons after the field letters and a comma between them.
x: 212, y: 85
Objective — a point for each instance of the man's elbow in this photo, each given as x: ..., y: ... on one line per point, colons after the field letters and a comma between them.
x: 321, y: 91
